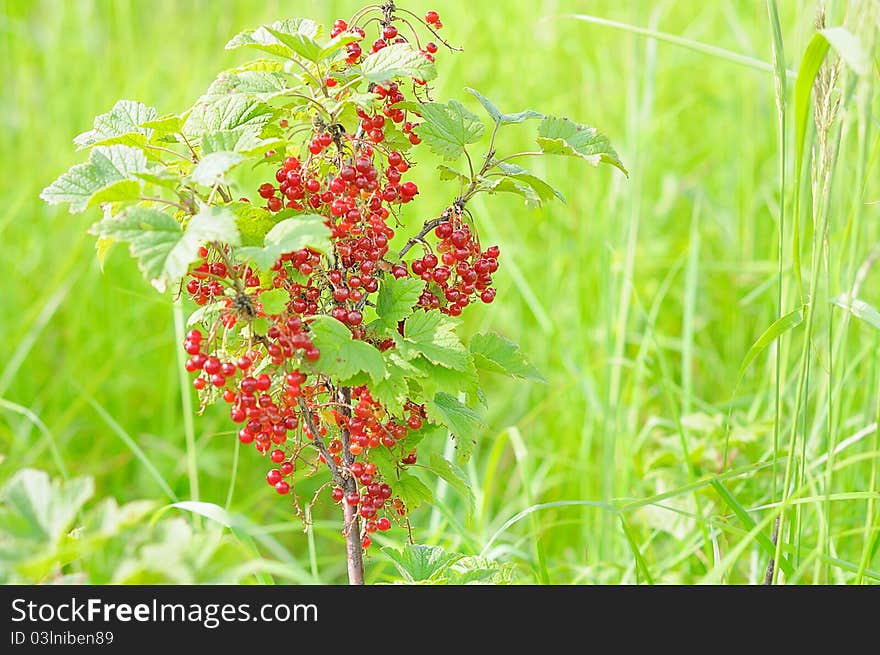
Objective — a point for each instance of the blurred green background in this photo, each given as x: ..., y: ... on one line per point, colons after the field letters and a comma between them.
x: 638, y: 299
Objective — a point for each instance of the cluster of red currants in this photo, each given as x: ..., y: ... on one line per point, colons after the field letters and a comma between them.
x: 357, y: 184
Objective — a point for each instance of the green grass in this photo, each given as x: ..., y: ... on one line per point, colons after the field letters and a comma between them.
x: 639, y: 299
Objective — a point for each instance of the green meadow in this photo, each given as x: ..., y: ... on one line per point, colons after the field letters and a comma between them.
x: 707, y: 327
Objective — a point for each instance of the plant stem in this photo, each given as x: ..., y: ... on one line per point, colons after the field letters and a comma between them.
x: 170, y: 203
x: 779, y: 88
x: 352, y: 527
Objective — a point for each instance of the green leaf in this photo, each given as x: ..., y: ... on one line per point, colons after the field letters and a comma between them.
x: 263, y: 84
x: 859, y: 308
x: 38, y: 509
x: 303, y: 231
x: 160, y: 177
x: 849, y: 47
x: 396, y: 300
x: 165, y: 250
x: 412, y: 491
x: 463, y: 422
x: 299, y: 35
x: 168, y: 124
x: 560, y: 136
x: 448, y: 174
x: 393, y: 389
x: 778, y: 328
x: 109, y: 176
x: 496, y: 113
x: 342, y: 356
x: 455, y: 478
x: 494, y: 353
x: 749, y: 524
x: 432, y: 334
x: 243, y: 140
x: 226, y: 113
x: 275, y: 301
x: 428, y: 431
x: 397, y: 60
x: 512, y: 185
x: 542, y: 188
x: 337, y: 43
x: 481, y: 570
x: 418, y: 563
x: 121, y: 125
x: 214, y: 166
x: 448, y: 128
x: 385, y: 460
x: 263, y: 38
x: 434, y: 378
x: 254, y: 222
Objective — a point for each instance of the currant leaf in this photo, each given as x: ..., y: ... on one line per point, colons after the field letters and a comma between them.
x: 560, y: 136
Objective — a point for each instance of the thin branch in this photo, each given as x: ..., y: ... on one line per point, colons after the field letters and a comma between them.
x: 171, y: 203
x: 427, y: 227
x: 531, y: 153
x: 430, y: 29
x: 319, y: 442
x: 313, y: 101
x: 168, y: 150
x: 192, y: 150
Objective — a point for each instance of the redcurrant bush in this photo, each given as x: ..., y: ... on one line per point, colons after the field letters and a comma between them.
x: 325, y: 298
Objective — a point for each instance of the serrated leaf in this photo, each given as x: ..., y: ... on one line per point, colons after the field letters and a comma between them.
x: 298, y: 34
x: 214, y: 166
x: 253, y: 222
x: 243, y: 140
x: 384, y: 459
x: 455, y: 478
x: 263, y: 84
x: 121, y: 125
x: 412, y: 491
x: 512, y: 185
x: 560, y: 136
x: 38, y: 509
x: 303, y: 231
x: 395, y: 139
x: 262, y: 38
x: 432, y: 334
x: 463, y: 422
x: 494, y: 353
x: 476, y: 569
x: 434, y: 378
x: 165, y: 250
x: 396, y: 300
x: 398, y: 60
x: 428, y: 431
x: 337, y: 43
x: 226, y: 113
x: 341, y: 355
x: 448, y: 128
x: 168, y: 124
x: 541, y: 187
x: 392, y: 390
x: 206, y: 314
x: 274, y: 301
x: 419, y: 563
x: 497, y: 115
x: 448, y: 174
x: 107, y: 177
x: 160, y: 178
